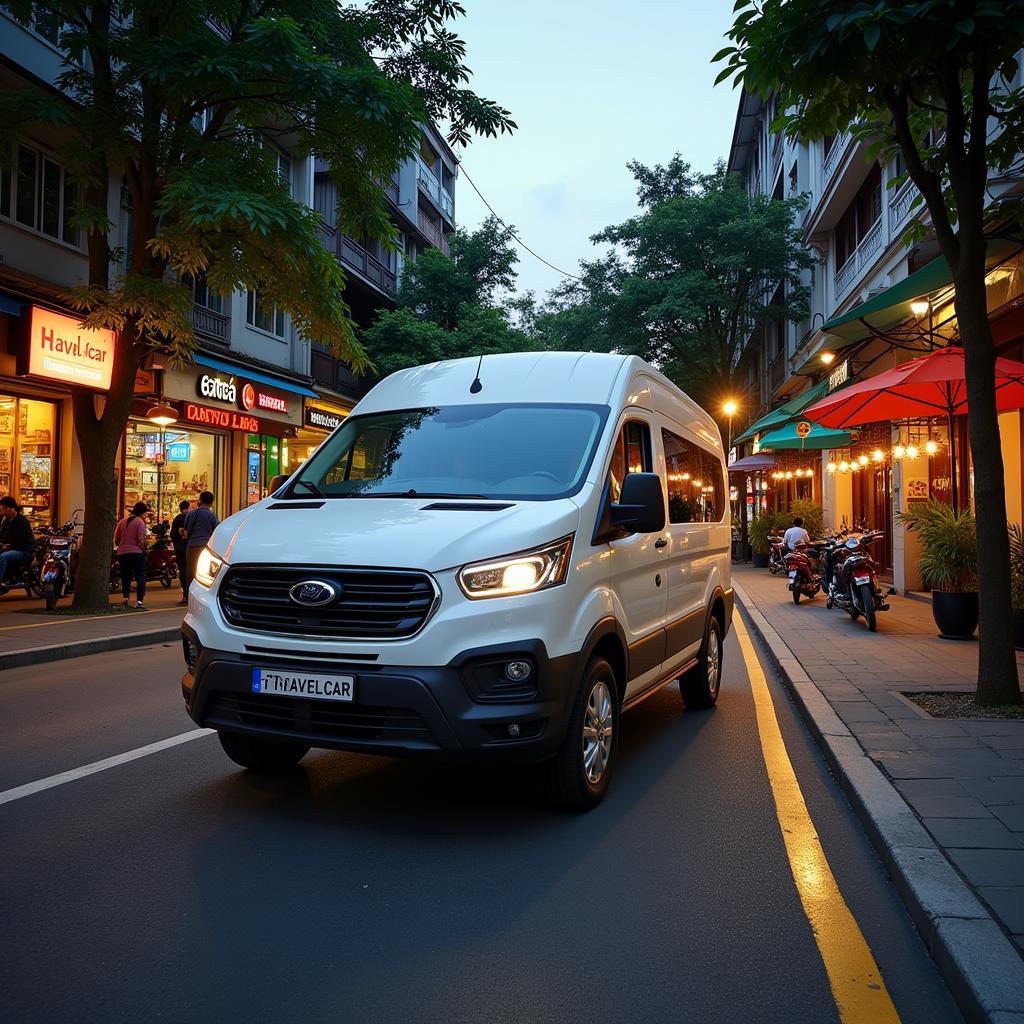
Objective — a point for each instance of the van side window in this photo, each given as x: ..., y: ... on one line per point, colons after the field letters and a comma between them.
x: 696, y: 490
x: 632, y: 454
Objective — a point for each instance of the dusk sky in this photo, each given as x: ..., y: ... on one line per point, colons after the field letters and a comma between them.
x: 592, y: 85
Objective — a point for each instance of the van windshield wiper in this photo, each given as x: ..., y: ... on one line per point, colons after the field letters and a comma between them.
x: 310, y: 486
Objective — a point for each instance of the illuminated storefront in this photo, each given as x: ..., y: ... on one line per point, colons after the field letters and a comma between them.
x: 319, y: 420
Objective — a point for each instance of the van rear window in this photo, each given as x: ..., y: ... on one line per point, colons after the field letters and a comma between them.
x: 528, y: 451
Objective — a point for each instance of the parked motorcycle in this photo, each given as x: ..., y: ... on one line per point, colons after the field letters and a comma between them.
x: 60, y: 560
x: 161, y: 565
x: 26, y: 574
x: 855, y: 580
x: 776, y: 554
x: 804, y: 578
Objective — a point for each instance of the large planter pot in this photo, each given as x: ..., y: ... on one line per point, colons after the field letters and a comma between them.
x: 1018, y: 629
x: 760, y: 560
x: 956, y: 615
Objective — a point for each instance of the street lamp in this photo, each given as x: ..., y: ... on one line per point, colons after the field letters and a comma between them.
x: 730, y: 410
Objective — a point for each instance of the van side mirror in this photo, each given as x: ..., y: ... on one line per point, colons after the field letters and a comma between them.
x: 277, y: 482
x: 641, y: 506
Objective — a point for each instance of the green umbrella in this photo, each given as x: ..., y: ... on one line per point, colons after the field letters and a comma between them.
x: 816, y: 440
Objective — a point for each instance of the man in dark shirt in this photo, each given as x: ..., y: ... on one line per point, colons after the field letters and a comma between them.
x: 198, y: 526
x: 16, y: 538
x: 180, y: 543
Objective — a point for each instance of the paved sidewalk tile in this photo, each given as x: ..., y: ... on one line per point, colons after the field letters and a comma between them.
x: 963, y: 778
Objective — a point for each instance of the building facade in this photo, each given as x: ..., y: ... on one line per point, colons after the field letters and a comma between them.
x: 258, y: 397
x: 855, y: 220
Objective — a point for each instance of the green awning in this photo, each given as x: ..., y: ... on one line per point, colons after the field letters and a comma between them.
x: 818, y: 439
x: 892, y: 306
x: 784, y: 413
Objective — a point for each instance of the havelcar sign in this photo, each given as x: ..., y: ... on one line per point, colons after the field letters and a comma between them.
x: 59, y: 348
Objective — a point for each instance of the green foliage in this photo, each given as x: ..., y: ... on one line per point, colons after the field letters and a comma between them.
x: 450, y: 307
x: 949, y: 555
x: 767, y: 523
x: 814, y: 520
x: 1017, y: 566
x: 684, y: 284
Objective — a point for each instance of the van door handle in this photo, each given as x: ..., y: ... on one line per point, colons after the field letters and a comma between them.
x: 661, y: 542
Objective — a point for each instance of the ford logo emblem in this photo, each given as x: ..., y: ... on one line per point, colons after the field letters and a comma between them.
x: 314, y: 593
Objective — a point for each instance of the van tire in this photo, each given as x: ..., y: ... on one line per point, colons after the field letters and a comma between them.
x: 701, y: 685
x: 262, y: 755
x: 564, y: 779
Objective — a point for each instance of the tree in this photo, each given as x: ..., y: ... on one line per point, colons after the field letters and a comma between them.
x: 451, y: 306
x: 701, y: 266
x: 930, y: 81
x: 184, y: 102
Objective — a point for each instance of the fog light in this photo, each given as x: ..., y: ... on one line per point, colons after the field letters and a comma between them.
x: 513, y: 729
x: 518, y: 671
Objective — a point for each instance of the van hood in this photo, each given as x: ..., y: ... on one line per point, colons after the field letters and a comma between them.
x: 390, y: 532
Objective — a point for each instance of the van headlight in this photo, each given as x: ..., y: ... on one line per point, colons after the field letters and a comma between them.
x: 207, y: 566
x: 521, y: 573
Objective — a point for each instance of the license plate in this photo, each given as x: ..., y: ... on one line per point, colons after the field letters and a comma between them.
x: 861, y: 579
x: 792, y: 575
x: 303, y: 684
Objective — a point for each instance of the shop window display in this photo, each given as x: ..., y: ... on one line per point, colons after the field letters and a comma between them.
x: 164, y: 466
x: 27, y: 446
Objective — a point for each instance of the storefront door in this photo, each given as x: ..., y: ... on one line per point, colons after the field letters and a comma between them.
x: 28, y: 448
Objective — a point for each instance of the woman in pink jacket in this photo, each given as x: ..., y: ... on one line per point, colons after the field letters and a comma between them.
x: 130, y: 541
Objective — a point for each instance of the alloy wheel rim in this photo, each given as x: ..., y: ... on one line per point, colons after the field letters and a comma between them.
x: 713, y: 661
x: 598, y: 723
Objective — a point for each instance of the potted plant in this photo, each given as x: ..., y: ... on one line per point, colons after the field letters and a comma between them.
x: 948, y: 564
x: 766, y: 524
x: 811, y: 514
x: 1017, y: 583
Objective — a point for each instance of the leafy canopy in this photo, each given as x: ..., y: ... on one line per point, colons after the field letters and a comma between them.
x: 689, y: 278
x: 452, y: 306
x: 188, y: 102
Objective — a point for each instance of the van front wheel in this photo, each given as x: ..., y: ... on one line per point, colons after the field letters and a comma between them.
x: 699, y: 687
x: 576, y: 778
x: 261, y: 755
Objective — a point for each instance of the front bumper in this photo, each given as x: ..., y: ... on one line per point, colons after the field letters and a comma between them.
x: 444, y: 711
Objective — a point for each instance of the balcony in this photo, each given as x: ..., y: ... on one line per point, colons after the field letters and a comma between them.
x: 776, y: 373
x: 899, y: 206
x: 211, y: 326
x: 439, y: 196
x: 434, y: 234
x: 867, y: 251
x: 832, y: 159
x: 351, y: 254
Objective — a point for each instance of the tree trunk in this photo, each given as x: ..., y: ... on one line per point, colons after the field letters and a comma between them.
x: 997, y: 664
x: 98, y: 440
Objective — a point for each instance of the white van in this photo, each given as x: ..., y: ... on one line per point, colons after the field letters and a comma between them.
x: 489, y: 559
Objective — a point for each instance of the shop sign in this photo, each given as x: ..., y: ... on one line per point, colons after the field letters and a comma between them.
x: 323, y: 419
x: 839, y: 376
x: 255, y: 398
x: 217, y: 388
x: 226, y: 419
x: 60, y: 348
x: 179, y: 452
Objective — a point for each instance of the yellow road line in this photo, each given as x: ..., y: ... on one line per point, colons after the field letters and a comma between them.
x: 86, y: 618
x: 857, y: 985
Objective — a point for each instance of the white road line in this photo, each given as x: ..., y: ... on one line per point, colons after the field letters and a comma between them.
x: 30, y: 788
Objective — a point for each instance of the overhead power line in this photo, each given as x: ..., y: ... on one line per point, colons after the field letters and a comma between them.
x: 535, y: 255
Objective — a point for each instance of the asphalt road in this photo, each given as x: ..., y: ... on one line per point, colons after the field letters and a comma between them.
x: 179, y: 888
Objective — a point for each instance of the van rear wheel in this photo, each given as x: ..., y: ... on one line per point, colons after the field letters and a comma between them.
x: 576, y: 778
x: 699, y: 687
x: 261, y: 755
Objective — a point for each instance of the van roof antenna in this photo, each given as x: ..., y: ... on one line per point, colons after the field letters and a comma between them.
x: 476, y: 387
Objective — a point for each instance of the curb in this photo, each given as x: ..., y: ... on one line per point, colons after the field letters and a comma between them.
x: 78, y: 648
x: 981, y: 966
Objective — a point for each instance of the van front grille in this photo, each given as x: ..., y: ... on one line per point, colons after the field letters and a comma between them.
x: 314, y: 719
x: 372, y: 604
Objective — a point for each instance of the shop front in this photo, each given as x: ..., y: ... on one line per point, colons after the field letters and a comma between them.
x: 319, y: 420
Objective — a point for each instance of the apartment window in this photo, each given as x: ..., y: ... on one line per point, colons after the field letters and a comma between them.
x: 427, y: 155
x: 202, y: 296
x: 39, y: 195
x: 793, y: 181
x: 263, y: 315
x: 860, y: 216
x: 284, y: 169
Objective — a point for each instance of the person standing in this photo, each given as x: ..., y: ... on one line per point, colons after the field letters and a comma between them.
x: 130, y: 541
x: 180, y: 543
x: 16, y: 538
x: 199, y: 526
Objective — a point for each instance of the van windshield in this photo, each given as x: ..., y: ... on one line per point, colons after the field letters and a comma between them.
x: 484, y: 451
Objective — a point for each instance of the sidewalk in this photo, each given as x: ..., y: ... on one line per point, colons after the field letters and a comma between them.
x: 30, y: 635
x: 963, y: 778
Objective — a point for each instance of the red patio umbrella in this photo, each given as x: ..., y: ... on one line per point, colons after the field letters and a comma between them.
x: 932, y: 385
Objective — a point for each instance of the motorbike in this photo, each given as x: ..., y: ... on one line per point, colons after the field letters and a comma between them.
x: 26, y: 574
x: 804, y: 578
x: 776, y: 553
x: 60, y: 560
x: 854, y: 586
x: 161, y: 565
